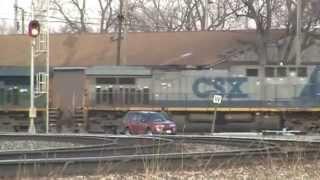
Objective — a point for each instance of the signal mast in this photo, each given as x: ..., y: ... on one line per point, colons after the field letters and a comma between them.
x: 38, y: 30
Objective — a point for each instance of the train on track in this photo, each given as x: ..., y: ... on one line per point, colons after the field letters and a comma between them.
x: 94, y: 99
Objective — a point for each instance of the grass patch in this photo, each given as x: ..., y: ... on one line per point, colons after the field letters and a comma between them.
x: 267, y: 168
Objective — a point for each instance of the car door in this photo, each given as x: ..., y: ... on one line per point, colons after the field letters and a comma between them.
x: 140, y: 124
x: 132, y: 122
x: 143, y: 124
x: 135, y: 123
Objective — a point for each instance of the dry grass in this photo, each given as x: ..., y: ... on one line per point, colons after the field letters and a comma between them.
x: 297, y: 169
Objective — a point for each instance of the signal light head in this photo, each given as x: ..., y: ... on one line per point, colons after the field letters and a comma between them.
x: 34, y: 28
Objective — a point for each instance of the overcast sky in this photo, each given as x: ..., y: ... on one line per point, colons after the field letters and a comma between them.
x: 7, y: 11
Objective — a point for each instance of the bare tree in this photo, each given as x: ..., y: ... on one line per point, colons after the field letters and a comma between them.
x: 220, y: 15
x: 107, y: 15
x: 310, y: 20
x: 76, y: 21
x: 157, y: 15
x: 270, y: 14
x: 181, y: 15
x: 262, y: 13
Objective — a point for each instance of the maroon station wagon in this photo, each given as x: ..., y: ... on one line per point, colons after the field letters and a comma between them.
x: 146, y: 122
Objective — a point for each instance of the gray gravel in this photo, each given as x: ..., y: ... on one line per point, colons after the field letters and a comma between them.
x: 16, y: 145
x: 199, y: 147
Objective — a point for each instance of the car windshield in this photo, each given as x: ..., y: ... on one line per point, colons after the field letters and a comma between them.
x: 156, y: 117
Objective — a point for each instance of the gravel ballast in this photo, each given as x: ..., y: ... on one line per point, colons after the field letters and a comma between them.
x: 16, y: 145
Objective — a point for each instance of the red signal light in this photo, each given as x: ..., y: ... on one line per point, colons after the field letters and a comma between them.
x: 34, y: 28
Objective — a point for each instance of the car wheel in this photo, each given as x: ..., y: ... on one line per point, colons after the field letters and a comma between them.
x: 149, y: 132
x: 127, y: 131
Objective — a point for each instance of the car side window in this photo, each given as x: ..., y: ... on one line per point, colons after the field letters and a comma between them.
x: 157, y: 117
x: 134, y: 117
x: 137, y: 117
x: 130, y: 116
x: 144, y: 117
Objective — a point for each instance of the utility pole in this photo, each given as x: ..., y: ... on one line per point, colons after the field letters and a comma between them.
x: 120, y: 21
x: 22, y: 21
x: 32, y: 110
x: 205, y: 13
x: 16, y: 14
x: 122, y: 33
x: 16, y: 23
x: 125, y: 32
x: 298, y: 35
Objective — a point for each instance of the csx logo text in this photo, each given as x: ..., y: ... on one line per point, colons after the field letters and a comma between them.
x: 219, y: 85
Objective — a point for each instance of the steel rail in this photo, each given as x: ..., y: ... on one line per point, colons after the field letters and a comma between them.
x: 88, y: 160
x: 114, y: 149
x: 92, y: 151
x: 40, y: 167
x: 115, y: 145
x: 40, y: 164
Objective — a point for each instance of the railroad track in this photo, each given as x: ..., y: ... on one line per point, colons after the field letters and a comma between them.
x: 91, y: 146
x: 120, y: 153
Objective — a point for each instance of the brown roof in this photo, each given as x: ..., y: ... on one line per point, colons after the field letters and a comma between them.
x: 180, y: 48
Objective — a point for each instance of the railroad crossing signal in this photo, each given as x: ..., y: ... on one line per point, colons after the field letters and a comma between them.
x: 34, y: 28
x: 40, y: 50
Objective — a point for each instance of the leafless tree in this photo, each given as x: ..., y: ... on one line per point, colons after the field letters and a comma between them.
x: 107, y: 15
x: 186, y: 15
x: 262, y: 13
x: 181, y: 15
x: 156, y: 15
x: 73, y: 12
x: 270, y: 14
x: 310, y: 19
x: 220, y: 15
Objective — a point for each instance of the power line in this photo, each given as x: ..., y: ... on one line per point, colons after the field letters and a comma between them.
x: 61, y: 20
x: 56, y: 19
x: 90, y: 21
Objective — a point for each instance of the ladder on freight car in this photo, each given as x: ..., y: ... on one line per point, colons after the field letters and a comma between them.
x: 79, y: 119
x: 54, y: 116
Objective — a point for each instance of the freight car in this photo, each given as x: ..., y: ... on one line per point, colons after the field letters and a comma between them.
x: 254, y: 98
x: 14, y: 100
